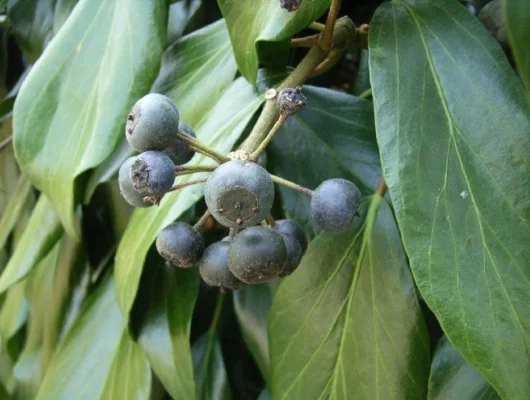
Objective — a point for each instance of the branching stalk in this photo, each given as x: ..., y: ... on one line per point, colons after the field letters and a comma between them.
x: 381, y: 187
x: 263, y: 145
x: 291, y: 185
x: 202, y: 148
x: 4, y: 143
x: 183, y: 185
x: 192, y: 169
x: 202, y: 220
x: 326, y: 40
x: 306, y: 41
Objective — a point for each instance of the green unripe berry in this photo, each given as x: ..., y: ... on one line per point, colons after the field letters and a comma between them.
x: 152, y: 173
x: 335, y: 204
x: 127, y: 190
x: 239, y: 194
x: 180, y: 244
x: 291, y: 227
x: 152, y: 123
x: 214, y: 270
x: 179, y: 151
x: 294, y: 254
x: 257, y: 254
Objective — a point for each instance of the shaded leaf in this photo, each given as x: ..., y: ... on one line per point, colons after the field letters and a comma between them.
x: 347, y: 323
x: 34, y: 22
x: 453, y: 378
x: 69, y: 114
x: 252, y: 305
x: 210, y: 372
x: 11, y: 213
x: 220, y: 129
x: 253, y: 23
x: 108, y: 364
x: 9, y: 171
x: 517, y: 14
x: 332, y: 137
x: 457, y: 169
x: 161, y: 319
x: 40, y: 235
x: 181, y: 13
x: 14, y: 313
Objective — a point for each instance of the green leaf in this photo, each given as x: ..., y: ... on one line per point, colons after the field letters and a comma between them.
x: 253, y: 23
x: 197, y: 70
x: 517, y: 14
x: 347, y: 324
x: 453, y: 378
x: 452, y: 125
x: 69, y: 114
x: 34, y: 22
x: 14, y: 208
x: 14, y: 313
x: 210, y: 372
x: 332, y: 137
x: 197, y: 64
x: 161, y: 319
x: 181, y: 15
x: 252, y: 305
x: 9, y: 171
x: 40, y: 235
x: 97, y: 359
x: 219, y: 129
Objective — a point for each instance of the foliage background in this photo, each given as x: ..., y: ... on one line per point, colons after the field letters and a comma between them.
x: 425, y: 297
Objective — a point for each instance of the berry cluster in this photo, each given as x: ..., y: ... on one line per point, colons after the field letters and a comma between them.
x: 239, y: 194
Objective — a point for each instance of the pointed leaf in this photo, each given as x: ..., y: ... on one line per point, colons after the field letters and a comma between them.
x: 452, y: 377
x: 40, y: 235
x: 14, y: 208
x: 452, y: 125
x: 252, y: 305
x: 220, y: 129
x: 97, y: 359
x: 69, y: 114
x: 517, y: 14
x: 161, y: 319
x: 210, y: 372
x: 333, y: 136
x: 253, y: 23
x: 181, y: 14
x: 347, y: 323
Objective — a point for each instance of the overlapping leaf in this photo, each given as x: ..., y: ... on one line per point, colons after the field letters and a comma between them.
x: 453, y: 378
x: 452, y: 125
x: 252, y: 23
x: 69, y: 114
x: 332, y: 137
x: 347, y: 323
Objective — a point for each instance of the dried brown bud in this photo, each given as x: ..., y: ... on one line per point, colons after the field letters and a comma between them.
x: 290, y: 5
x: 290, y: 101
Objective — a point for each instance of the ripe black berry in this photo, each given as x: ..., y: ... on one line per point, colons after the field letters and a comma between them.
x: 179, y: 151
x: 334, y: 204
x: 152, y: 173
x: 257, y: 254
x: 294, y: 254
x: 128, y: 192
x: 180, y: 244
x: 290, y: 5
x: 239, y: 194
x: 214, y: 270
x: 152, y: 123
x: 291, y: 227
x: 290, y: 101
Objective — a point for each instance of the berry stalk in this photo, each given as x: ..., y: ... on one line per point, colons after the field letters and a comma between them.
x: 291, y: 185
x: 183, y: 185
x: 263, y: 145
x: 202, y: 148
x: 192, y: 169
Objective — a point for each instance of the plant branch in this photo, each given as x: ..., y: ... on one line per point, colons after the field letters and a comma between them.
x: 381, y: 187
x: 333, y: 58
x: 291, y: 185
x: 202, y: 148
x: 326, y: 40
x: 202, y: 220
x: 4, y: 143
x: 263, y: 145
x: 191, y: 169
x: 306, y: 41
x: 367, y: 93
x: 186, y: 184
x: 317, y: 26
x: 343, y: 33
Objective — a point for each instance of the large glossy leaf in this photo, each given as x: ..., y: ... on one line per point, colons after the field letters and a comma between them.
x: 332, y: 137
x: 452, y: 377
x: 97, y: 359
x: 40, y: 235
x: 181, y: 14
x: 452, y: 125
x: 34, y: 22
x: 219, y: 129
x: 253, y: 23
x: 161, y: 319
x: 252, y: 305
x: 195, y: 72
x: 347, y: 323
x: 517, y: 14
x: 69, y: 114
x: 210, y: 373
